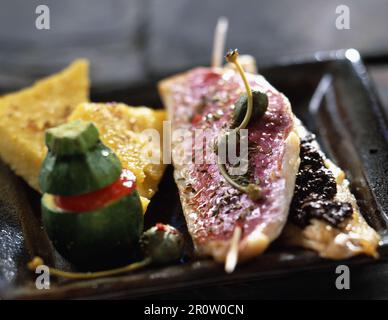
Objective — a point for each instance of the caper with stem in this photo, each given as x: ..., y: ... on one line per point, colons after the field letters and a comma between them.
x: 260, y: 104
x: 160, y: 244
x: 248, y: 107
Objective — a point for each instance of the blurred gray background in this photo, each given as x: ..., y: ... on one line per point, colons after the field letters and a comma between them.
x: 131, y: 41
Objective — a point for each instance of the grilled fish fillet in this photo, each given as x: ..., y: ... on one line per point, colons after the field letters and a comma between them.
x: 203, y: 98
x: 331, y: 233
x: 340, y: 240
x: 25, y: 115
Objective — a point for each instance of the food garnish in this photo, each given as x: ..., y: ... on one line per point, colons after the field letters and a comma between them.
x: 90, y: 208
x: 260, y: 104
x: 160, y: 244
x: 249, y: 106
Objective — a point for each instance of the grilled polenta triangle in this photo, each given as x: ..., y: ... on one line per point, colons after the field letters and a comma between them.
x: 26, y: 114
x: 121, y: 129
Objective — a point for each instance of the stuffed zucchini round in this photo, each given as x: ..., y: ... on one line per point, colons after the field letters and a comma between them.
x: 87, y: 238
x: 91, y: 209
x: 77, y: 162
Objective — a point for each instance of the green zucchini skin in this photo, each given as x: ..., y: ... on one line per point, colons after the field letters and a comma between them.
x: 81, y: 173
x: 97, y: 239
x: 76, y: 137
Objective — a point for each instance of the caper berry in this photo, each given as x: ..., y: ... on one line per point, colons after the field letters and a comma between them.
x: 260, y: 104
x: 162, y: 243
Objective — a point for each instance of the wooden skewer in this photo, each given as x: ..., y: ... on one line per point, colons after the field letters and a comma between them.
x: 232, y: 256
x: 219, y: 42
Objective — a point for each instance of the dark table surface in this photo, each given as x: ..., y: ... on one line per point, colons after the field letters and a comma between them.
x: 368, y: 282
x: 131, y: 42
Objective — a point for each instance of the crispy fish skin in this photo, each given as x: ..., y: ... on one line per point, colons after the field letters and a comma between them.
x: 352, y: 237
x: 266, y: 229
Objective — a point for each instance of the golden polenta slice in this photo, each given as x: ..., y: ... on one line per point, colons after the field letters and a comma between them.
x: 26, y: 114
x: 122, y: 128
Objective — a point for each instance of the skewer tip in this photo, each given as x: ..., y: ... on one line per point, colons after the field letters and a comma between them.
x: 219, y: 41
x: 232, y: 256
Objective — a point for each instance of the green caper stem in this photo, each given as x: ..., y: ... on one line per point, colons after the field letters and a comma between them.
x: 252, y: 190
x: 90, y: 275
x: 232, y: 56
x: 225, y: 174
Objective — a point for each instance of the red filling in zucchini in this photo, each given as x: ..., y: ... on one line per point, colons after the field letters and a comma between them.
x: 124, y: 185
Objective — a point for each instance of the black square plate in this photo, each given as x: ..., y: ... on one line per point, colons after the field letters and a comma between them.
x: 333, y: 96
